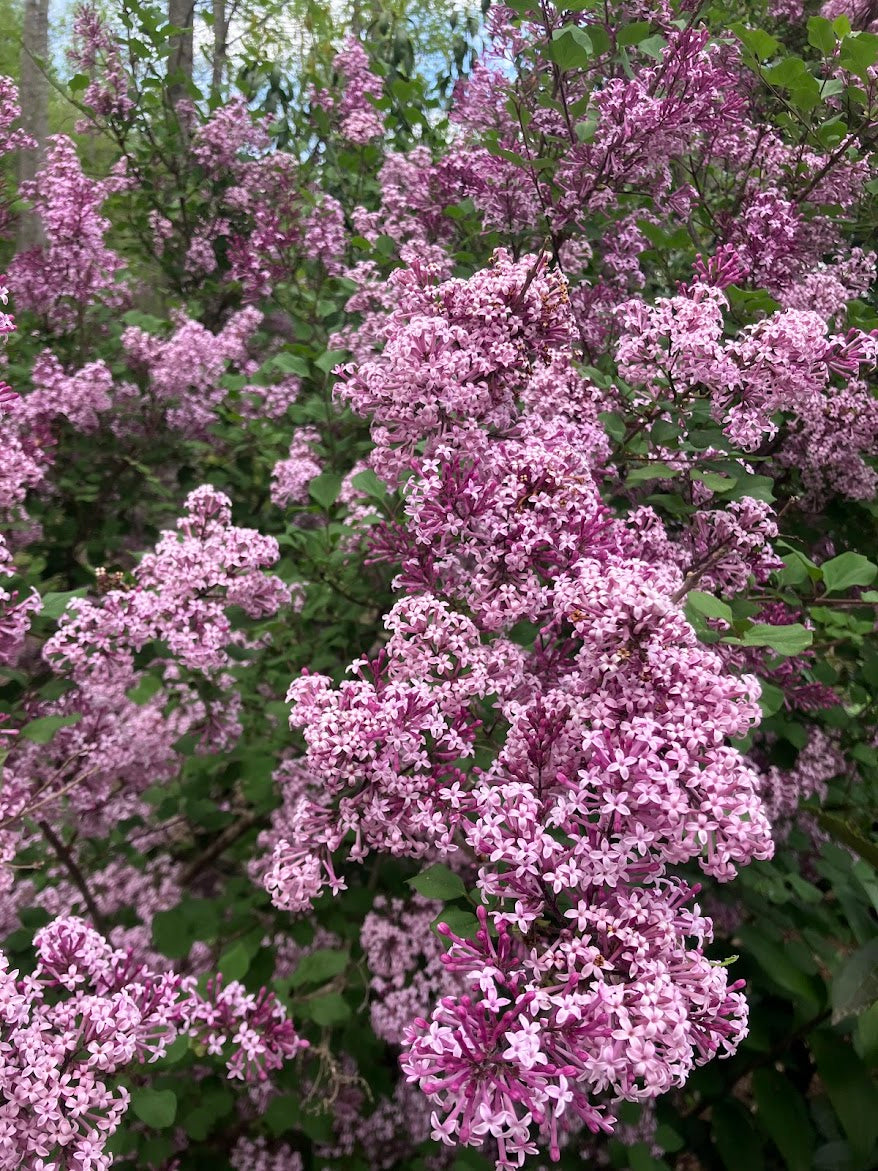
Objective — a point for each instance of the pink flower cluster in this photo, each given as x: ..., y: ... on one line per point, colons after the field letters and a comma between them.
x: 15, y: 612
x: 182, y: 374
x: 360, y: 121
x: 110, y: 746
x: 85, y: 1015
x: 602, y: 740
x: 180, y: 595
x: 95, y: 52
x: 787, y: 368
x: 404, y: 958
x: 291, y: 476
x: 74, y: 269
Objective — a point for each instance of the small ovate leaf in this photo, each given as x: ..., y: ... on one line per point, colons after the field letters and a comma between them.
x: 41, y: 731
x: 143, y: 691
x: 784, y: 1114
x: 850, y: 834
x: 319, y: 966
x: 735, y: 1139
x: 821, y: 34
x: 157, y: 1108
x: 866, y: 1036
x: 570, y: 47
x: 438, y: 882
x: 655, y: 470
x: 784, y: 640
x: 54, y: 604
x: 632, y: 34
x: 846, y: 570
x: 708, y: 605
x: 331, y: 1009
x: 653, y: 46
x: 771, y: 699
x: 759, y: 42
x: 233, y: 964
x: 324, y: 489
x: 366, y: 481
x: 331, y: 358
x: 855, y: 987
x: 463, y: 923
x: 852, y: 1092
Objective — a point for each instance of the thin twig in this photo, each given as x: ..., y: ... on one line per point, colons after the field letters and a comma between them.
x: 69, y: 863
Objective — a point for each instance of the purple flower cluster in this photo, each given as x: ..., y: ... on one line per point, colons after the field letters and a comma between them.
x: 88, y: 1013
x: 603, y: 754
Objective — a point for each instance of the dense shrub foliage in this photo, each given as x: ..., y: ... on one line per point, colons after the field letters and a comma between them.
x: 438, y: 603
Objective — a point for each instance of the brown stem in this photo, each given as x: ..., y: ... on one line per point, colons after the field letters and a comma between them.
x: 219, y: 845
x: 70, y: 865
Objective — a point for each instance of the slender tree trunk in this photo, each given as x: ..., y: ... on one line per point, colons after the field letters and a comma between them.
x: 181, y: 14
x: 220, y: 46
x: 34, y: 93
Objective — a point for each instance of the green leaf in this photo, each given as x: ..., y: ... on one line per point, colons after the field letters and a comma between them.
x: 737, y: 1142
x: 319, y: 966
x: 780, y: 967
x: 708, y: 605
x: 783, y: 1113
x: 655, y: 470
x: 771, y: 699
x: 285, y: 363
x: 598, y: 35
x: 653, y: 46
x: 331, y: 1009
x: 157, y: 1108
x: 462, y: 923
x: 797, y: 569
x: 41, y: 731
x: 715, y: 482
x: 858, y: 53
x: 760, y: 44
x: 145, y: 689
x: 632, y: 34
x: 331, y: 358
x: 853, y: 1094
x: 234, y: 963
x: 570, y: 47
x: 846, y: 570
x: 54, y: 605
x: 866, y: 1040
x: 366, y: 481
x: 821, y: 34
x: 324, y: 489
x: 855, y: 987
x: 786, y: 72
x: 756, y: 487
x: 784, y: 640
x: 847, y: 832
x: 438, y: 882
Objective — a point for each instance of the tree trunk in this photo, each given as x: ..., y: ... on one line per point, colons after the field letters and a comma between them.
x: 220, y: 47
x: 181, y: 14
x: 34, y: 94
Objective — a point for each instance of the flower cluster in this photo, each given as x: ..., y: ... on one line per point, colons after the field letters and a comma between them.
x: 360, y: 121
x: 180, y: 596
x: 608, y: 737
x: 787, y: 366
x: 95, y: 52
x: 74, y: 269
x: 85, y: 1015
